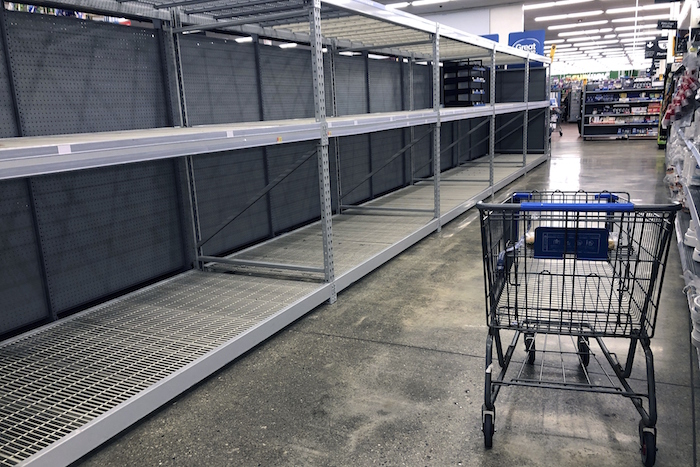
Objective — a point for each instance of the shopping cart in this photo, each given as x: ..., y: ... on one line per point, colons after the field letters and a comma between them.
x: 554, y: 121
x: 567, y: 269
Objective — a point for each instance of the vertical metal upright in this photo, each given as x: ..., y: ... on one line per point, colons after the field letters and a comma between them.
x: 548, y: 84
x: 324, y: 178
x: 526, y: 113
x: 492, y: 123
x: 5, y: 38
x: 175, y: 22
x: 436, y: 132
x: 411, y: 106
x: 332, y: 51
x: 261, y: 116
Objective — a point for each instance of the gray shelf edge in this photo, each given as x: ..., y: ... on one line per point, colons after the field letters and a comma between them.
x: 651, y: 89
x: 147, y: 145
x: 620, y: 124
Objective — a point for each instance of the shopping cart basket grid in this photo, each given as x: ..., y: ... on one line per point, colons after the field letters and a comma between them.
x: 588, y: 265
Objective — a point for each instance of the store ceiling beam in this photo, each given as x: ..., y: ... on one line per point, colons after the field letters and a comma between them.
x: 385, y: 46
x: 240, y: 22
x: 226, y: 6
x: 274, y: 9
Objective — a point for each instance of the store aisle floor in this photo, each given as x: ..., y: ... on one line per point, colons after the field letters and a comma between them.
x: 392, y: 374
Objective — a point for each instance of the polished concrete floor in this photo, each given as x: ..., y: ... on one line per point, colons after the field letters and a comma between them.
x: 392, y: 374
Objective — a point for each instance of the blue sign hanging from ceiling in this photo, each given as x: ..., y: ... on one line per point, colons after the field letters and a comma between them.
x: 528, y: 41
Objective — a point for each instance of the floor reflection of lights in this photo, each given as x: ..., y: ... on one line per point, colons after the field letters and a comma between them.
x: 564, y: 172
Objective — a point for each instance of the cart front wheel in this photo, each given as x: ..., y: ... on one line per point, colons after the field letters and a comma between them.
x: 487, y: 427
x: 584, y: 351
x: 530, y: 348
x: 648, y: 449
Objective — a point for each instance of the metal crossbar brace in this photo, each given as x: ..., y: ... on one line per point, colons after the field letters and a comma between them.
x: 510, y: 132
x: 548, y: 84
x: 389, y: 161
x: 382, y: 208
x: 436, y: 133
x: 324, y: 179
x: 261, y: 264
x: 334, y: 100
x: 526, y: 112
x: 259, y: 195
x: 430, y: 160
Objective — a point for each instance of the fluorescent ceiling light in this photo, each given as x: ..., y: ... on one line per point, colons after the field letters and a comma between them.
x: 583, y: 44
x: 579, y: 14
x: 241, y: 40
x: 398, y: 5
x: 553, y: 41
x: 592, y: 47
x: 582, y: 33
x: 578, y: 25
x: 288, y: 45
x: 581, y: 39
x: 632, y: 28
x: 428, y: 2
x: 349, y: 54
x: 564, y: 46
x: 539, y: 6
x: 632, y: 9
x: 609, y: 36
x: 377, y: 57
x: 639, y: 34
x: 638, y: 40
x: 632, y: 19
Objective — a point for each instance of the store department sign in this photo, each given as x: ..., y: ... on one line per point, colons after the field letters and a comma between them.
x: 655, y: 49
x: 528, y: 41
x: 667, y: 24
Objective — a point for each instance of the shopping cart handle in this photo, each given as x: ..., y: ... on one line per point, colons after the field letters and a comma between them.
x: 578, y: 207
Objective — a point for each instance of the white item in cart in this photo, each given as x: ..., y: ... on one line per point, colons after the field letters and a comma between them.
x: 690, y: 238
x: 612, y: 240
x: 696, y: 255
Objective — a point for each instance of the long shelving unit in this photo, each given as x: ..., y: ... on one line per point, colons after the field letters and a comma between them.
x: 678, y: 140
x: 260, y: 188
x: 621, y: 113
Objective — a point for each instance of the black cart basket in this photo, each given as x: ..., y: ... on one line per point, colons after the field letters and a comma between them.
x: 565, y: 270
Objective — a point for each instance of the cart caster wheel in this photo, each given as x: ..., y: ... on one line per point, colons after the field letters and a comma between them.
x: 584, y: 350
x: 561, y: 133
x: 530, y: 348
x: 647, y: 439
x: 487, y: 426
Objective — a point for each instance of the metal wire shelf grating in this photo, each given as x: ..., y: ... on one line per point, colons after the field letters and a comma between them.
x: 60, y: 378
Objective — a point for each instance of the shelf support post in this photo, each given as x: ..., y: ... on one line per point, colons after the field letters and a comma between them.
x: 324, y: 178
x: 411, y: 106
x: 547, y: 138
x: 436, y: 132
x: 175, y: 22
x: 5, y: 37
x: 492, y: 123
x: 526, y: 91
x: 332, y: 52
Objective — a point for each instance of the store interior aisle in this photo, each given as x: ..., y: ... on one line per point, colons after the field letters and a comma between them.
x: 392, y: 374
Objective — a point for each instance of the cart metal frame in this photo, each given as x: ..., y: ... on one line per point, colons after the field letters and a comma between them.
x: 583, y: 265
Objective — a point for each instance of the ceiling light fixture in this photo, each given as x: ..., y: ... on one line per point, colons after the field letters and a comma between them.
x: 392, y: 6
x: 580, y: 14
x: 632, y: 9
x: 539, y: 6
x: 583, y: 44
x: 577, y: 25
x: 583, y: 33
x: 242, y: 40
x: 632, y: 28
x: 288, y: 45
x: 428, y: 2
x: 553, y: 41
x: 632, y: 19
x: 639, y: 33
x: 579, y: 38
x: 638, y: 40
